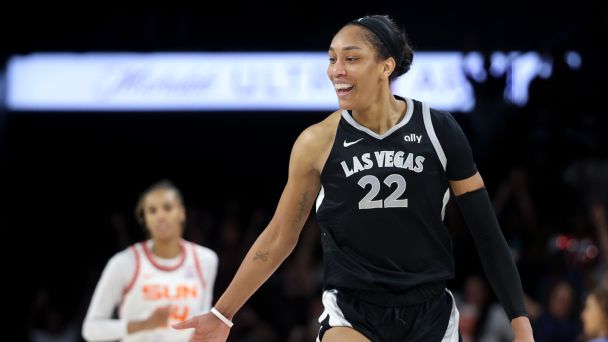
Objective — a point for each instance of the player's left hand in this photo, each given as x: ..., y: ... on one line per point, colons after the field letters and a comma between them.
x: 207, y: 328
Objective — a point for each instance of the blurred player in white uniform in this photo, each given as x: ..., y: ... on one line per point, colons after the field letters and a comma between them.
x: 154, y: 283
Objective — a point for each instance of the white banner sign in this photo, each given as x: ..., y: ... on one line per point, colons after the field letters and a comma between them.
x: 230, y: 81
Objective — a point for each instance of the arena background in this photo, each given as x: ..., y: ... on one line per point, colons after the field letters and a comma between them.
x: 72, y: 178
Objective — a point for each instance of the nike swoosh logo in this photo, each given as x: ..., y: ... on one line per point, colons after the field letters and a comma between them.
x: 346, y: 144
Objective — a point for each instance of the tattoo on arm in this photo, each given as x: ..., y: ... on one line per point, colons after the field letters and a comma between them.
x: 301, y: 210
x: 261, y: 256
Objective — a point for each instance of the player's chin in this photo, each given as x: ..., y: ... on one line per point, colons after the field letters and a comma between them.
x: 165, y: 235
x: 345, y: 104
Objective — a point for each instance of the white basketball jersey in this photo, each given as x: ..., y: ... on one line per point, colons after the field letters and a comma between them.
x: 182, y: 285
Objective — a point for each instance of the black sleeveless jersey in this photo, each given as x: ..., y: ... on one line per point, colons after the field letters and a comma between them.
x: 383, y: 199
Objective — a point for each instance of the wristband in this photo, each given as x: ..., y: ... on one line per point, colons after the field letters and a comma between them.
x: 222, y: 317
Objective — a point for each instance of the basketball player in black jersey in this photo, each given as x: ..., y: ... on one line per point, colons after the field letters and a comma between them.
x: 381, y: 169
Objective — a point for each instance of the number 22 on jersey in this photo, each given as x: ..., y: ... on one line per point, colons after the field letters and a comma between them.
x: 392, y: 201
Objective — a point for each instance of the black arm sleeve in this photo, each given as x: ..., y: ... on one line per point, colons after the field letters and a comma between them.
x: 494, y: 252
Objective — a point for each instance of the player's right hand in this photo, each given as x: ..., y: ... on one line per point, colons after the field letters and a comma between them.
x: 160, y: 317
x: 207, y: 328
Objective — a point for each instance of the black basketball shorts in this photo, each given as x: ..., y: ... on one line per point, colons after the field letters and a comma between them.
x: 433, y: 320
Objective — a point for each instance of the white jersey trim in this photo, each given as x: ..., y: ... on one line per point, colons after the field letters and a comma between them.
x: 451, y: 332
x: 320, y: 198
x: 408, y: 116
x: 197, y: 265
x: 129, y: 286
x: 428, y: 124
x: 164, y: 264
x: 446, y: 199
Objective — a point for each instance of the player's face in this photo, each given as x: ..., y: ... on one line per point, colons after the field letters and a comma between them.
x: 354, y: 69
x: 593, y: 318
x: 164, y: 214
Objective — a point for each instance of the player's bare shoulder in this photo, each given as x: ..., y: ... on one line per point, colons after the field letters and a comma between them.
x: 317, y: 140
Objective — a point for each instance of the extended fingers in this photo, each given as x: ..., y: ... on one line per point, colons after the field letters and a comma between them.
x: 190, y: 323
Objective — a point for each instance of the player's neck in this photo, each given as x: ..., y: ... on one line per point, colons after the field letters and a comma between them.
x: 166, y: 249
x: 381, y: 115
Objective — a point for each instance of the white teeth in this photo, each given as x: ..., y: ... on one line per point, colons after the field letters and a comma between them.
x: 341, y: 86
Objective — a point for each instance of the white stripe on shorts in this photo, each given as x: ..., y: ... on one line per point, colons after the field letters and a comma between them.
x: 336, y: 317
x: 330, y: 303
x: 451, y: 332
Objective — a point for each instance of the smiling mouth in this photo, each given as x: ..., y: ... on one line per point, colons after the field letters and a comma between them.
x: 343, y: 88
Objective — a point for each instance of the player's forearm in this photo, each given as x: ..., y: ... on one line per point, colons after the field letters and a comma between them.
x: 494, y: 251
x: 135, y: 326
x: 265, y: 256
x: 522, y: 329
